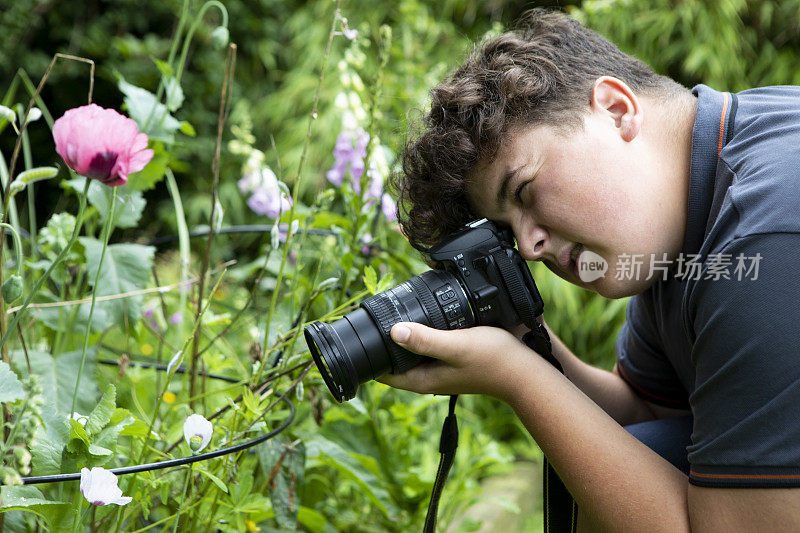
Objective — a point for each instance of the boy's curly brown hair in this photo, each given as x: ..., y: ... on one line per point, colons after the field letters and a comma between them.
x: 540, y: 73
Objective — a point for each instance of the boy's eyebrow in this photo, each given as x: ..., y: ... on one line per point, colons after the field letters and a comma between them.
x: 503, y: 190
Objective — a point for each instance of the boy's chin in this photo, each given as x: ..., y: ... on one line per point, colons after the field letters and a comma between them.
x: 615, y: 289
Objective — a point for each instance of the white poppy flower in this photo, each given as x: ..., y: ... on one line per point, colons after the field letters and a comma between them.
x: 99, y: 487
x: 197, y: 432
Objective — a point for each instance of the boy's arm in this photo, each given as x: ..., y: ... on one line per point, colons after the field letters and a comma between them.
x: 618, y: 482
x: 608, y: 389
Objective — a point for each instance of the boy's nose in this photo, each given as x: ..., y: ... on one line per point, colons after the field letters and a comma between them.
x: 533, y: 243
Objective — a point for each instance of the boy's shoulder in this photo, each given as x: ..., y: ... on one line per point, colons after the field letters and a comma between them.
x: 763, y: 157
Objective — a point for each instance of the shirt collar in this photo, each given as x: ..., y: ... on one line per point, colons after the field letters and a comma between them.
x: 706, y: 138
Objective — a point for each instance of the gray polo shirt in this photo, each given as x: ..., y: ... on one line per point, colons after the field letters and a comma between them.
x: 721, y: 333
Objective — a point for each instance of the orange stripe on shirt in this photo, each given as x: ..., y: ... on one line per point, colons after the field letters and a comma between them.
x: 743, y: 476
x: 722, y: 122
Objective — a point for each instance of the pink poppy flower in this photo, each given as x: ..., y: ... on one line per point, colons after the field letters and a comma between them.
x: 101, y: 144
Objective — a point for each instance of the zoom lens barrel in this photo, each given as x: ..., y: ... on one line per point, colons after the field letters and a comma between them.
x: 357, y: 348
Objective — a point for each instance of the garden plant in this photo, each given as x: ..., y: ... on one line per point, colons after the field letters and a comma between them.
x: 183, y: 194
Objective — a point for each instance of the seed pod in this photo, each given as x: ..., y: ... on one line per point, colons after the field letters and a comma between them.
x: 220, y: 37
x: 12, y: 289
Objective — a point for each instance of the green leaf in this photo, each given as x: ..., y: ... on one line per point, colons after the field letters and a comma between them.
x: 214, y: 479
x: 137, y: 428
x: 283, y: 463
x: 126, y: 268
x: 101, y: 415
x: 30, y: 499
x: 187, y: 129
x: 326, y: 452
x: 151, y: 116
x: 77, y: 433
x: 127, y: 209
x: 174, y: 94
x: 370, y: 279
x: 48, y: 448
x: 163, y: 67
x: 386, y: 283
x: 10, y: 387
x: 58, y: 377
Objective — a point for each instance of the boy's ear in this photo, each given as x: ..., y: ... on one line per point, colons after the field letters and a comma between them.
x: 613, y: 98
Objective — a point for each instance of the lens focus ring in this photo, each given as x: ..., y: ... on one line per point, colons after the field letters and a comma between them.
x: 386, y: 315
x: 429, y: 302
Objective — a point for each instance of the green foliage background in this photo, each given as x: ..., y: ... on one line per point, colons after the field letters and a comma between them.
x: 368, y: 464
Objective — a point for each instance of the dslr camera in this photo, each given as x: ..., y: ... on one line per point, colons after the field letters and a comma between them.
x: 479, y: 279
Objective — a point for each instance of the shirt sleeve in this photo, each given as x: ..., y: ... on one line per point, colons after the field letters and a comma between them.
x: 641, y: 358
x: 745, y: 332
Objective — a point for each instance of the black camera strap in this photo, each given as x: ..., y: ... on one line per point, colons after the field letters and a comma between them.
x: 447, y: 448
x: 536, y: 339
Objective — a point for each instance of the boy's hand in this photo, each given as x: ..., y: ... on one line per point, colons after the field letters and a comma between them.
x: 480, y: 360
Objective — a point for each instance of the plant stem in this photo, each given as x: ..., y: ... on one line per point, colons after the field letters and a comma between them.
x: 56, y: 262
x: 109, y: 228
x: 183, y: 246
x: 224, y: 108
x: 183, y: 497
x: 296, y: 189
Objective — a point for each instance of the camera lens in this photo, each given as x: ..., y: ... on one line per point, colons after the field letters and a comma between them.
x: 357, y: 348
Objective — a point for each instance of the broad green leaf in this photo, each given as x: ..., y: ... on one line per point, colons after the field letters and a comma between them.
x: 58, y: 377
x: 49, y: 316
x: 10, y: 387
x: 152, y: 117
x: 30, y: 499
x: 48, y: 448
x: 126, y: 268
x: 283, y: 463
x: 101, y: 415
x: 127, y: 208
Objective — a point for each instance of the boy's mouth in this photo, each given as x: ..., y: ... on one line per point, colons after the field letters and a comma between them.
x: 573, y: 258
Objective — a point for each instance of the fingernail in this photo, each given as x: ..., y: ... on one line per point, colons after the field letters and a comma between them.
x: 400, y: 334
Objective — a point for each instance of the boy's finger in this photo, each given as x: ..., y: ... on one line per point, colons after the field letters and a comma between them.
x: 423, y: 340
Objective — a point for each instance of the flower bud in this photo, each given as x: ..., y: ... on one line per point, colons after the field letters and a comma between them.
x: 12, y: 289
x: 195, y: 442
x: 220, y: 37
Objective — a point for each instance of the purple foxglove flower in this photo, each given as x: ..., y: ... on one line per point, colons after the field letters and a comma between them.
x: 99, y: 487
x: 270, y: 202
x: 362, y: 140
x: 357, y: 169
x: 336, y: 174
x: 343, y: 149
x: 389, y: 207
x: 263, y: 177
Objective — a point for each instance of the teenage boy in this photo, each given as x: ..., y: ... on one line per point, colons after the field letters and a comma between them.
x: 588, y: 155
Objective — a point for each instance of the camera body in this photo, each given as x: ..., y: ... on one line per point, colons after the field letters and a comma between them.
x: 479, y: 279
x: 497, y: 280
